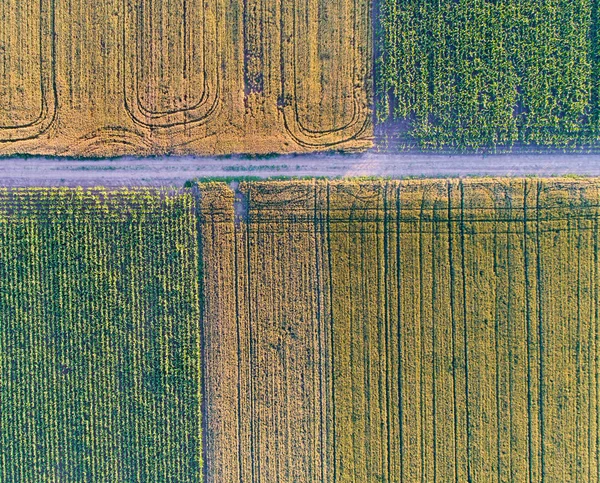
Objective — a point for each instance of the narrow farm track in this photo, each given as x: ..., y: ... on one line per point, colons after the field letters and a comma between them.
x: 175, y: 171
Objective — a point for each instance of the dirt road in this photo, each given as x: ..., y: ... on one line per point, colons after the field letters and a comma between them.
x: 173, y: 171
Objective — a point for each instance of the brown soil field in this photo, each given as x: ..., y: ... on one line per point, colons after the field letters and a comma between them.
x: 401, y: 331
x: 143, y: 77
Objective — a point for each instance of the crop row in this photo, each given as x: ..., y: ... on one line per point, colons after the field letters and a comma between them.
x: 475, y: 73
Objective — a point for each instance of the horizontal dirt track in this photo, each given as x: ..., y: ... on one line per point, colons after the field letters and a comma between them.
x: 175, y: 171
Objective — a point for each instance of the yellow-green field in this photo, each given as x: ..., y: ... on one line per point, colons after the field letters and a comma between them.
x: 404, y: 331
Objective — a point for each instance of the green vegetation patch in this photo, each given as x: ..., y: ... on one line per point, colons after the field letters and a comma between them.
x: 99, y: 339
x: 480, y: 73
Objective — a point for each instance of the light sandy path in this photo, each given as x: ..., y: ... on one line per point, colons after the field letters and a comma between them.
x: 173, y: 171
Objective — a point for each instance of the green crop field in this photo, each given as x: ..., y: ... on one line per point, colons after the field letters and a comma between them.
x: 99, y: 339
x: 481, y: 73
x: 302, y: 331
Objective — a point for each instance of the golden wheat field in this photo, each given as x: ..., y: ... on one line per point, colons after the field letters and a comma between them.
x: 402, y: 331
x: 110, y: 77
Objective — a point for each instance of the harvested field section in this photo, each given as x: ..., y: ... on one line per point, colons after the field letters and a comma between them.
x: 414, y: 330
x: 99, y: 364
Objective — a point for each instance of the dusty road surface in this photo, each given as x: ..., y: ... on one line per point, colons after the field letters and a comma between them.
x: 174, y: 171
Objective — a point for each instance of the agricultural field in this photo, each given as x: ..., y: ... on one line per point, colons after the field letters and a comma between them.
x: 404, y: 331
x: 100, y: 365
x: 150, y: 77
x: 89, y: 78
x: 302, y: 331
x: 481, y: 74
